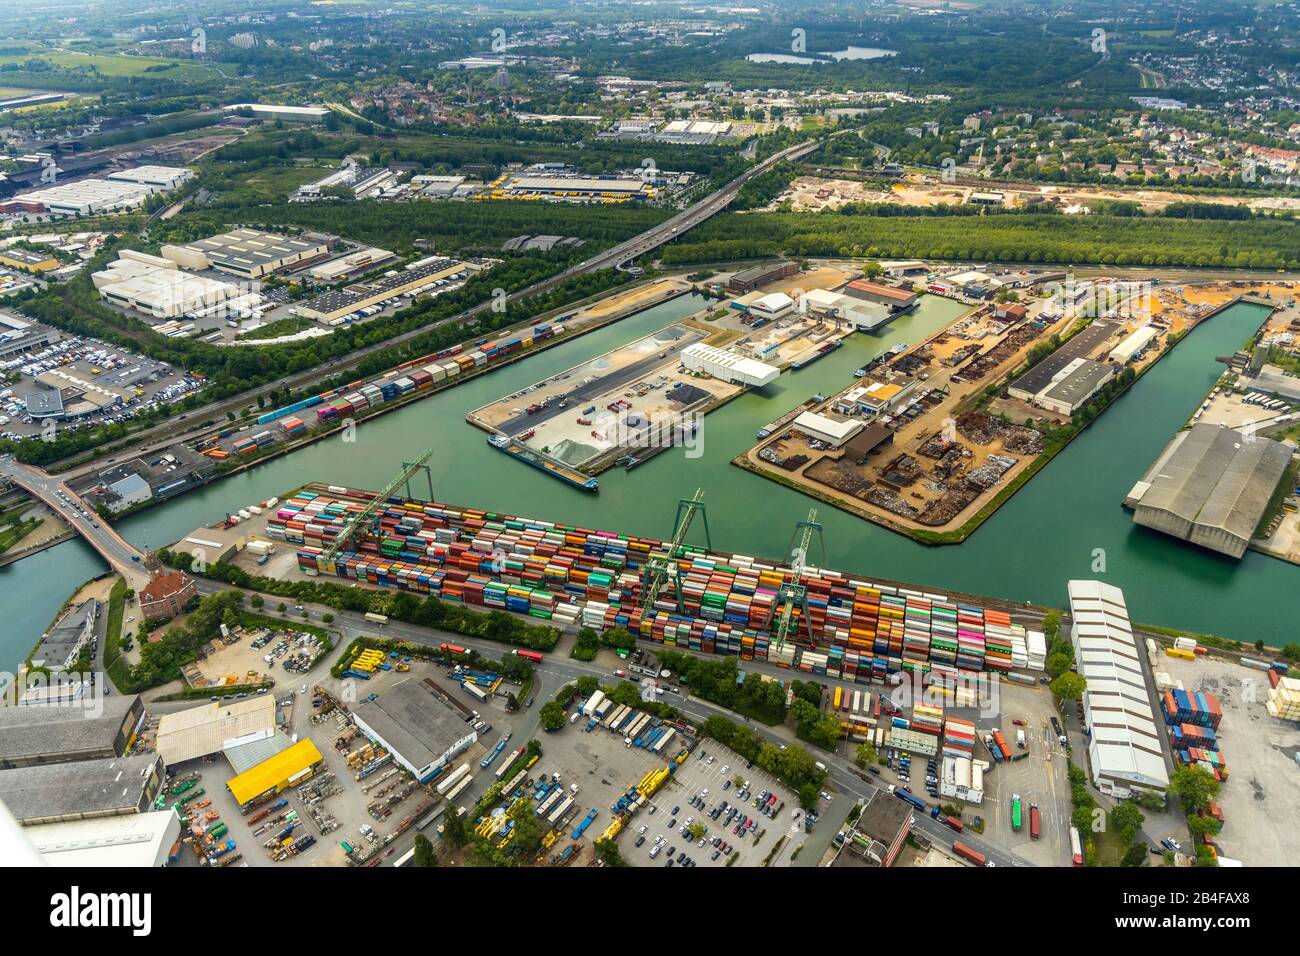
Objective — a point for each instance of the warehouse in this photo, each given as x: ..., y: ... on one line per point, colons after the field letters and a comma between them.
x: 747, y: 280
x: 1043, y: 375
x: 342, y: 302
x: 48, y: 734
x: 248, y: 253
x: 154, y: 286
x: 883, y: 825
x: 773, y: 306
x: 564, y: 187
x: 892, y: 296
x: 1074, y: 385
x: 137, y: 839
x: 1134, y: 345
x: 288, y: 114
x: 1211, y: 486
x: 280, y: 770
x: 210, y: 728
x: 823, y: 428
x: 28, y: 261
x: 77, y: 395
x: 89, y: 197
x: 354, y: 263
x: 422, y: 733
x: 107, y: 787
x: 728, y: 366
x: 864, y: 443
x: 1126, y: 752
x: 61, y: 644
x: 158, y: 177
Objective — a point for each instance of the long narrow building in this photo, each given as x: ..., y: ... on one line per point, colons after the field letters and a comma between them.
x: 1126, y: 752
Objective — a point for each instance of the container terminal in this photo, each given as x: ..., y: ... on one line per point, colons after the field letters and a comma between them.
x: 817, y: 620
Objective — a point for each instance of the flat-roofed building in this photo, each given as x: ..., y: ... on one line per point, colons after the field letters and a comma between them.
x: 94, y: 728
x: 248, y: 253
x: 158, y: 177
x: 823, y: 428
x: 882, y: 829
x: 728, y: 366
x: 421, y: 732
x: 1126, y: 750
x: 1074, y: 385
x: 53, y: 793
x: 1211, y: 486
x: 159, y: 289
x: 747, y: 280
x: 892, y: 296
x: 28, y: 261
x: 272, y: 111
x: 130, y: 840
x: 61, y: 644
x: 210, y: 728
x: 284, y: 768
x: 1083, y: 344
x: 774, y: 305
x: 577, y: 187
x: 339, y: 303
x: 352, y: 264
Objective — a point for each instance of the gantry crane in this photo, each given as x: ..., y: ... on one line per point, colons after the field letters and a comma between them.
x: 661, y: 570
x: 366, y: 516
x: 793, y: 592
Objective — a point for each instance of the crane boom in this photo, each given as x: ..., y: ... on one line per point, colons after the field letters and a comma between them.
x: 354, y: 523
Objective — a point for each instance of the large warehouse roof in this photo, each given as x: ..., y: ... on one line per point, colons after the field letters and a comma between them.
x: 29, y: 734
x: 211, y: 728
x: 137, y: 839
x: 1212, y: 486
x: 275, y: 772
x: 1125, y: 746
x: 1081, y: 345
x: 44, y: 793
x: 414, y: 723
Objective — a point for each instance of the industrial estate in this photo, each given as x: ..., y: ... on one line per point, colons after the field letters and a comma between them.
x: 491, y: 453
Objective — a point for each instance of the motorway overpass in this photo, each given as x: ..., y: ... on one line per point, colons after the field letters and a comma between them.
x: 121, y: 556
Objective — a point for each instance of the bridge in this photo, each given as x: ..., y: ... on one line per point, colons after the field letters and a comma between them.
x: 121, y: 556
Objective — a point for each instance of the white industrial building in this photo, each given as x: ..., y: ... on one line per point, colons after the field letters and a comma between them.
x: 1074, y: 385
x: 137, y: 839
x: 353, y: 264
x: 155, y: 286
x: 963, y: 778
x: 248, y: 253
x: 861, y: 314
x: 1134, y: 344
x: 420, y: 730
x: 774, y: 305
x: 118, y: 192
x: 826, y: 429
x: 728, y: 366
x: 159, y: 177
x: 1125, y: 743
x: 272, y: 111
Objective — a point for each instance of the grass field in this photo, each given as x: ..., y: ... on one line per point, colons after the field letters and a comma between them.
x: 110, y: 65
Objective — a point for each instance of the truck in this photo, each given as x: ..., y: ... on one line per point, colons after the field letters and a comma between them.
x: 907, y: 796
x: 1035, y: 822
x: 1016, y: 816
x: 969, y: 855
x: 374, y: 618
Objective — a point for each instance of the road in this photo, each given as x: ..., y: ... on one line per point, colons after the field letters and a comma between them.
x: 81, y: 517
x: 166, y: 434
x: 554, y: 672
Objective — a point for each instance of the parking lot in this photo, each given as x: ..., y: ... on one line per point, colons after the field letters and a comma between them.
x: 1263, y: 786
x: 140, y: 382
x: 701, y: 785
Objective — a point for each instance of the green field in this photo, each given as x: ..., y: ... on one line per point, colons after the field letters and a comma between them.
x: 109, y: 65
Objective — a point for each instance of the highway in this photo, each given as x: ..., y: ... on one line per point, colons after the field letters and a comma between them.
x: 556, y: 671
x: 81, y: 517
x: 166, y: 434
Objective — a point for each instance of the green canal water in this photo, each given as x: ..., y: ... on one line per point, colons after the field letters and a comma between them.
x: 1066, y: 520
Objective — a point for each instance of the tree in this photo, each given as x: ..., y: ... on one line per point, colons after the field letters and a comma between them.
x: 865, y: 755
x: 1058, y: 664
x: 258, y: 602
x: 696, y: 831
x: 1194, y: 786
x: 1069, y: 686
x: 551, y: 715
x: 455, y: 831
x: 607, y: 850
x: 587, y: 684
x: 1136, y: 855
x: 423, y: 852
x: 327, y: 618
x: 1127, y: 820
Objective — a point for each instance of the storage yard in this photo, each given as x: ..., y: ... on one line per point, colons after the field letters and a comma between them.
x: 1261, y: 749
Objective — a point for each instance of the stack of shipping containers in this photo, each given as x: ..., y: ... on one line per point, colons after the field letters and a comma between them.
x: 864, y: 630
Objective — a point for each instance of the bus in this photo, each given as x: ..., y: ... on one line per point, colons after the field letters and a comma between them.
x: 376, y: 618
x: 969, y: 855
x: 530, y: 656
x: 1015, y: 812
x: 1076, y: 848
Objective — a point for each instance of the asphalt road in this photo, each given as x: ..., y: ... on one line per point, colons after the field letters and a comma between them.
x: 555, y: 671
x: 112, y: 547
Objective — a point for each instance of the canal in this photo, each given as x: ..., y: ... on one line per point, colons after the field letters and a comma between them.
x: 1065, y: 523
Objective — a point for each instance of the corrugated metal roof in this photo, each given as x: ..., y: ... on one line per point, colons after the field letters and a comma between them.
x: 275, y: 771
